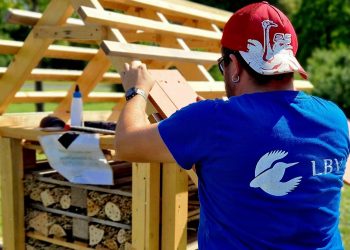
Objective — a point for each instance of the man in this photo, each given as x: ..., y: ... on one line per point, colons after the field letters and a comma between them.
x: 270, y: 160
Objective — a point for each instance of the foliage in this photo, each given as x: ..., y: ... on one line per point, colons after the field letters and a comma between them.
x: 287, y: 6
x: 322, y: 24
x: 330, y: 73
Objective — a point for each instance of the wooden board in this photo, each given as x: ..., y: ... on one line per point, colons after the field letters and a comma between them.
x: 118, y: 20
x: 171, y: 92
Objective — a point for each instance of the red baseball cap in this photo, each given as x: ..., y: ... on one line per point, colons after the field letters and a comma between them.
x: 265, y: 38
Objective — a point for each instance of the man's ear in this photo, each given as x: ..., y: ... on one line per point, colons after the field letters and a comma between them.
x: 236, y: 66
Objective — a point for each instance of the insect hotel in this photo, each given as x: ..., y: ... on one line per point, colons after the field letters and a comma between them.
x: 150, y: 205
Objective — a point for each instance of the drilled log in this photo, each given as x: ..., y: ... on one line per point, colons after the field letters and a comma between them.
x: 92, y: 208
x: 65, y: 201
x: 123, y: 236
x: 113, y: 211
x: 57, y: 231
x: 47, y: 198
x: 95, y: 235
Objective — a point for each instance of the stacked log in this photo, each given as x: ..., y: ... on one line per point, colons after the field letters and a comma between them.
x: 58, y: 209
x: 109, y: 206
x: 50, y: 195
x: 48, y: 224
x: 103, y: 236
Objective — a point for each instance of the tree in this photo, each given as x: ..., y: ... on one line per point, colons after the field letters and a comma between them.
x: 329, y: 72
x: 287, y: 6
x: 322, y: 24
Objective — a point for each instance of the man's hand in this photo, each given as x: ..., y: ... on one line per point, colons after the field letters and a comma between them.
x: 137, y: 75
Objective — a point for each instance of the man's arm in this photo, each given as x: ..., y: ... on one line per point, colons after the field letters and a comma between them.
x: 136, y: 139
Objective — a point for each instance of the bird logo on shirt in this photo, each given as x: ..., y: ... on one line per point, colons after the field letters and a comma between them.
x: 268, y: 174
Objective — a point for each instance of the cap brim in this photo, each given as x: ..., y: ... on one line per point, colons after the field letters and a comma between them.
x: 281, y: 63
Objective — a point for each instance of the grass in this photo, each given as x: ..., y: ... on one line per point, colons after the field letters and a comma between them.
x: 345, y: 217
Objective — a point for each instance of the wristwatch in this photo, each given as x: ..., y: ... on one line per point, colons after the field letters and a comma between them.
x: 130, y: 93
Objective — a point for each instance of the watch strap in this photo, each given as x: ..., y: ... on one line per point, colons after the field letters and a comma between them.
x: 130, y: 93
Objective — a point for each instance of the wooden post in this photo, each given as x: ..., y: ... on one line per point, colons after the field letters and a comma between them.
x: 174, y: 207
x: 12, y: 194
x: 145, y: 205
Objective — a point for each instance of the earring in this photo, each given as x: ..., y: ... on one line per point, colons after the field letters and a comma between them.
x: 235, y: 79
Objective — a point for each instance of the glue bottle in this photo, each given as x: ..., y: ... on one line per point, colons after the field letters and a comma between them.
x: 76, y: 108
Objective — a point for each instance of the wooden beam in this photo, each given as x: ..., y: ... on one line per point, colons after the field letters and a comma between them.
x: 174, y: 207
x: 26, y: 17
x: 158, y: 53
x: 189, y: 71
x: 58, y: 242
x: 42, y: 97
x: 31, y: 53
x: 303, y: 85
x: 90, y: 32
x: 31, y: 120
x: 117, y: 20
x: 198, y: 6
x: 54, y: 51
x: 174, y: 9
x: 12, y: 193
x: 66, y: 75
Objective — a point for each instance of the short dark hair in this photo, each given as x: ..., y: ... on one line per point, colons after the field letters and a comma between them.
x: 259, y: 78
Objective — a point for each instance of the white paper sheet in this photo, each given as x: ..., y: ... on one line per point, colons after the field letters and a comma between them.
x: 82, y: 162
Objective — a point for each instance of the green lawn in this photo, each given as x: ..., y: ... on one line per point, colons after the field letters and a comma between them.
x: 345, y: 217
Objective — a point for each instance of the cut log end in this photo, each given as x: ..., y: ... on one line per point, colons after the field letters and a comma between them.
x: 123, y: 236
x: 65, y: 201
x: 95, y: 235
x: 92, y: 208
x: 57, y: 231
x: 113, y: 211
x: 47, y: 198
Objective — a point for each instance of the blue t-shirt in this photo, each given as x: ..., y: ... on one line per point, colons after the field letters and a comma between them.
x: 270, y: 168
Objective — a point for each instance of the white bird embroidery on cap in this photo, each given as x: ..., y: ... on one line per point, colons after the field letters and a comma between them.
x: 268, y: 176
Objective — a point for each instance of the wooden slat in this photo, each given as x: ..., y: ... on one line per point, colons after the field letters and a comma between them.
x: 75, y: 245
x: 174, y: 207
x: 70, y: 32
x: 190, y: 72
x: 117, y: 20
x: 31, y: 18
x: 175, y: 9
x: 303, y: 85
x: 26, y: 17
x: 54, y: 51
x: 12, y: 193
x: 206, y: 8
x: 31, y: 53
x: 64, y: 75
x: 31, y: 133
x: 50, y: 96
x: 158, y: 53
